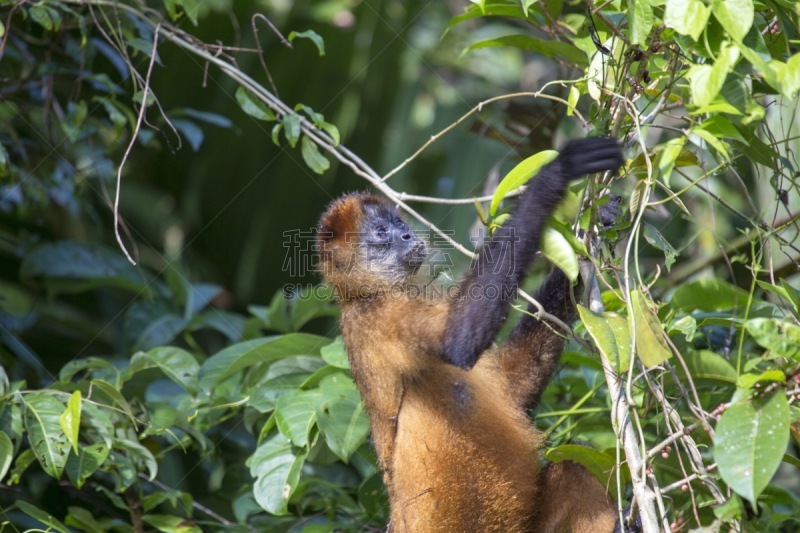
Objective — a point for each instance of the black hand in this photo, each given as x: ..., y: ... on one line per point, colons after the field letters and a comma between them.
x: 587, y: 156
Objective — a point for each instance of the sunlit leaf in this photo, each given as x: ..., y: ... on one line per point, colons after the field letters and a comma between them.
x: 688, y: 17
x: 277, y: 471
x: 736, y: 16
x: 48, y: 441
x: 751, y: 438
x: 779, y: 336
x: 70, y: 419
x: 611, y: 335
x: 519, y: 175
x: 310, y: 35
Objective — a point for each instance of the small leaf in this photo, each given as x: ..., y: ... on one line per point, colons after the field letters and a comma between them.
x: 6, y: 454
x: 779, y: 336
x: 70, y: 419
x: 705, y: 364
x: 291, y: 128
x: 315, y: 160
x: 572, y: 100
x: 650, y: 345
x: 668, y: 157
x: 171, y: 524
x: 253, y: 106
x: 751, y: 438
x: 312, y: 36
x: 335, y: 355
x: 656, y: 240
x: 519, y: 175
x: 558, y: 251
x: 611, y: 335
x: 45, y: 16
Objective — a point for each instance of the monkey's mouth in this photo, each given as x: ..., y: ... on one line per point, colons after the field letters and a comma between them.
x: 416, y: 255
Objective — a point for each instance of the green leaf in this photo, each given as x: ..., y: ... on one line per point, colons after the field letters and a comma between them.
x: 558, y: 251
x: 49, y: 443
x: 335, y: 355
x: 295, y: 415
x: 688, y: 17
x: 641, y: 18
x: 253, y: 106
x: 705, y: 364
x: 751, y: 438
x: 115, y: 396
x: 611, y: 335
x: 70, y: 419
x: 277, y: 471
x: 310, y: 35
x: 257, y: 351
x: 789, y: 77
x: 178, y: 365
x: 292, y: 128
x: 171, y: 524
x: 6, y: 454
x: 600, y: 465
x: 82, y: 520
x: 549, y: 48
x: 668, y: 157
x: 656, y: 240
x: 779, y: 336
x: 315, y: 160
x: 707, y: 81
x: 520, y: 174
x: 708, y: 294
x: 82, y: 464
x: 340, y: 416
x: 141, y: 456
x: 42, y: 516
x: 736, y: 16
x: 45, y: 16
x: 720, y: 126
x: 69, y: 262
x: 650, y: 345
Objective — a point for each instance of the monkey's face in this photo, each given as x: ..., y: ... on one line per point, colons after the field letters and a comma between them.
x: 388, y: 246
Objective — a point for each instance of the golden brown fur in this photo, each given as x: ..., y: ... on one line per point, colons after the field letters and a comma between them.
x: 456, y: 447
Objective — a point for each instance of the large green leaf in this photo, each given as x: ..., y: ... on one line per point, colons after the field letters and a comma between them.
x: 178, y: 365
x: 751, y: 438
x: 48, y: 441
x: 277, y: 471
x: 601, y: 465
x: 340, y: 415
x: 651, y: 347
x: 611, y: 335
x: 548, y: 48
x: 256, y: 351
x: 705, y: 364
x: 688, y: 17
x: 42, y: 516
x: 86, y: 462
x: 709, y: 294
x: 557, y: 249
x: 780, y: 337
x: 736, y: 16
x: 295, y: 414
x: 67, y: 266
x: 641, y: 18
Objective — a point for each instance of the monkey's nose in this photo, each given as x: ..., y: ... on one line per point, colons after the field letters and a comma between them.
x: 406, y: 236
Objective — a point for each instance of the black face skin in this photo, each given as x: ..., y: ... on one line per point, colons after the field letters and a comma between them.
x: 391, y: 246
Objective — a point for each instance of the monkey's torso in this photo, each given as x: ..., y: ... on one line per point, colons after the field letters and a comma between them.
x: 456, y: 452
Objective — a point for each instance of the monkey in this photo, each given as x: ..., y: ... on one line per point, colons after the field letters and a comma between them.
x: 448, y: 409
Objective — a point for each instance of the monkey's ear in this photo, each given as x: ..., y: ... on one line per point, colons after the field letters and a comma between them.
x: 342, y: 216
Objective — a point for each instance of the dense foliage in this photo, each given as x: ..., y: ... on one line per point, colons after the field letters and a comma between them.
x: 145, y: 397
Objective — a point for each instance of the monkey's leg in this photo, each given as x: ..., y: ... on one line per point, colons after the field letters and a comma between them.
x: 574, y: 501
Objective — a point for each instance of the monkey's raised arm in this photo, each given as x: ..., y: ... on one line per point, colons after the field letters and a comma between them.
x: 480, y: 309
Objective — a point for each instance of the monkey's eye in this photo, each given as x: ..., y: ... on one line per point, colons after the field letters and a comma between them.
x: 381, y: 232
